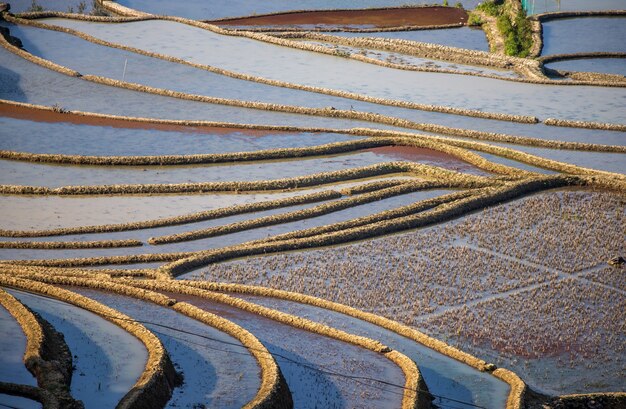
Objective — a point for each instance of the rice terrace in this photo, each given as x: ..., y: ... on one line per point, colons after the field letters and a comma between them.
x: 313, y: 204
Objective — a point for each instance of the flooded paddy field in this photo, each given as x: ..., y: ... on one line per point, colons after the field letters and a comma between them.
x: 296, y: 66
x: 354, y: 19
x: 19, y: 402
x: 574, y: 5
x: 585, y: 34
x: 219, y: 372
x: 406, y: 61
x: 604, y: 65
x: 97, y: 381
x: 299, y: 352
x: 220, y: 240
x: 13, y: 345
x: 72, y: 6
x: 462, y: 37
x: 485, y: 261
x: 465, y: 211
x: 74, y: 139
x: 199, y: 10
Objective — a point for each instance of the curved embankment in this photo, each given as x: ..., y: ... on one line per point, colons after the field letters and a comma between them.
x: 60, y: 245
x: 356, y: 20
x: 518, y: 388
x: 312, y: 180
x: 319, y: 210
x: 183, y: 219
x: 257, y: 246
x: 427, y: 141
x: 334, y: 113
x: 537, y: 35
x: 585, y: 124
x: 578, y: 56
x: 438, y: 145
x: 324, y: 112
x: 273, y: 392
x: 485, y: 198
x: 31, y: 20
x: 155, y: 385
x: 530, y: 69
x: 151, y: 291
x: 573, y: 14
x: 584, y: 75
x: 46, y: 356
x: 442, y: 209
x: 415, y: 394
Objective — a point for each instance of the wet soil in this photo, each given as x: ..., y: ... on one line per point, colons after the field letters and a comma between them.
x: 381, y: 18
x: 42, y: 115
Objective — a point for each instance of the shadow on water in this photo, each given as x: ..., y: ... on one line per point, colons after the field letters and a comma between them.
x: 18, y: 37
x: 199, y: 375
x: 9, y: 79
x: 309, y: 388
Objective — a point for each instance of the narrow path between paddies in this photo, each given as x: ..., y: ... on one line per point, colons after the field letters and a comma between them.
x: 217, y: 370
x: 405, y: 61
x: 107, y: 359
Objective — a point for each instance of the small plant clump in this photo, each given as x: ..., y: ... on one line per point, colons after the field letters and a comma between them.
x: 35, y: 7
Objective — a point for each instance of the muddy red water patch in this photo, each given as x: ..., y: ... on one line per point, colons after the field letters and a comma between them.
x: 43, y: 115
x: 381, y: 18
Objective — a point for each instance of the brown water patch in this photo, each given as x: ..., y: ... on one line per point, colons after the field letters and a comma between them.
x: 44, y: 115
x: 391, y: 17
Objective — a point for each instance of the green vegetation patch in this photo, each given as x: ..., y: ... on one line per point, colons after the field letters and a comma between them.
x: 514, y: 26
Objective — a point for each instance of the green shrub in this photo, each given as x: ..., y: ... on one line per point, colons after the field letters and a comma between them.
x: 490, y: 8
x: 458, y: 5
x: 474, y: 20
